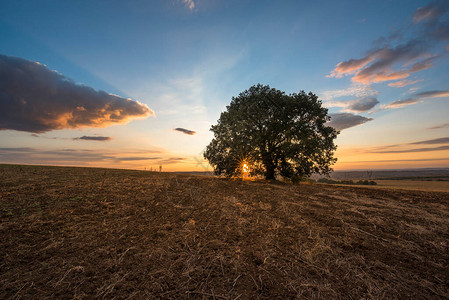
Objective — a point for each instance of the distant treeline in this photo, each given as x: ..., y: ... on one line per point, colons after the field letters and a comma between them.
x: 352, y: 182
x: 419, y: 178
x: 407, y: 174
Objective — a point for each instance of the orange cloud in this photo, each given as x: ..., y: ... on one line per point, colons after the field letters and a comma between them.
x: 396, y: 62
x: 403, y: 83
x: 350, y: 66
x: 379, y: 77
x: 36, y: 99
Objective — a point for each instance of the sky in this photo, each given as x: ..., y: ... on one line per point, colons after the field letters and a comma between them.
x: 137, y: 84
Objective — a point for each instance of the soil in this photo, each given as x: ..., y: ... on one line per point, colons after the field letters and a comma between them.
x: 121, y: 234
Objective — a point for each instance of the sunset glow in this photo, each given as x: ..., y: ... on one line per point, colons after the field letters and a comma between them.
x: 224, y: 149
x: 85, y: 90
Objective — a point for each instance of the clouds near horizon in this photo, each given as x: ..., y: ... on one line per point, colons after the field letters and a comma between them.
x: 428, y: 149
x: 34, y: 98
x: 74, y: 156
x: 409, y: 147
x: 444, y: 125
x: 94, y: 138
x: 444, y: 140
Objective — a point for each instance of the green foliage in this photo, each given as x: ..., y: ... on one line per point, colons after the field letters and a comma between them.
x: 277, y: 134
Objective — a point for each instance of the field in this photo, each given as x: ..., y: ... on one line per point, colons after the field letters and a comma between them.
x: 418, y: 185
x: 121, y: 234
x: 405, y: 174
x: 431, y: 180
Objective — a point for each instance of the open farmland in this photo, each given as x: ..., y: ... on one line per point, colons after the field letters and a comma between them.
x: 420, y: 185
x: 83, y: 233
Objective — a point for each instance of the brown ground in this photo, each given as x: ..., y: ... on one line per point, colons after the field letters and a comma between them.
x: 83, y: 233
x: 420, y: 185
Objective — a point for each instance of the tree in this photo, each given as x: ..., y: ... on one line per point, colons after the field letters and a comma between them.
x: 274, y: 134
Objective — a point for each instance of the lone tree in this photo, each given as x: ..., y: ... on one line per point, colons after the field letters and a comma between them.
x: 274, y: 134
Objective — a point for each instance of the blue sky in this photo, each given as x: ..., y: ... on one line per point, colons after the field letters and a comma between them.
x: 185, y: 60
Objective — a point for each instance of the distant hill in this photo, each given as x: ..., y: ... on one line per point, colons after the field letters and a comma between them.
x: 437, y: 173
x: 389, y: 174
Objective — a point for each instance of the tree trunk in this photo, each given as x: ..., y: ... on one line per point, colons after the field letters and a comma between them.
x: 268, y: 162
x: 270, y: 171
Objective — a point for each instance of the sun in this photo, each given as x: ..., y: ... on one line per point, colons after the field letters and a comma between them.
x: 243, y: 166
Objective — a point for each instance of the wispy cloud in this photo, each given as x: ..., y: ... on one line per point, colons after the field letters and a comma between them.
x: 357, y: 106
x: 413, y: 56
x: 439, y: 148
x: 409, y: 147
x: 341, y: 121
x: 356, y: 90
x: 400, y: 160
x: 85, y: 157
x: 401, y: 103
x: 350, y: 66
x: 173, y: 160
x: 433, y: 94
x: 36, y: 99
x: 94, y: 138
x: 190, y: 4
x: 17, y: 149
x: 185, y: 131
x: 445, y: 125
x: 136, y: 158
x: 403, y: 83
x: 84, y: 137
x: 444, y: 140
x: 185, y: 94
x: 418, y: 97
x: 391, y: 62
x: 430, y: 12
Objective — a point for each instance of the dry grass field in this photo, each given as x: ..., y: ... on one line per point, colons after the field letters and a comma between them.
x: 417, y: 185
x: 413, y: 185
x: 117, y: 234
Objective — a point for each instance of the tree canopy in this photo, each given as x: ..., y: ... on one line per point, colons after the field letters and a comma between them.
x: 272, y: 134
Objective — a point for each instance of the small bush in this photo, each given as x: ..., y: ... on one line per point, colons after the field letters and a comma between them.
x: 346, y: 182
x: 296, y: 179
x: 327, y: 180
x: 366, y: 182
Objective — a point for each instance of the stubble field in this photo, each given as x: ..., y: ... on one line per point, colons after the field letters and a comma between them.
x: 84, y: 233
